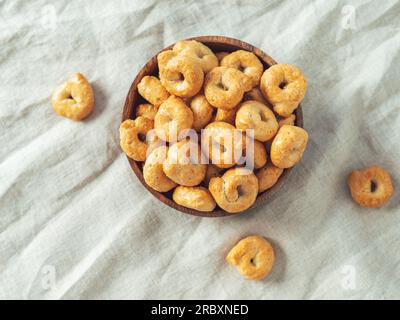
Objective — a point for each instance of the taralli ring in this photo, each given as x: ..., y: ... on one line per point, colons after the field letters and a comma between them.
x: 236, y: 190
x: 284, y: 86
x: 371, y: 187
x: 246, y: 62
x: 288, y: 146
x: 254, y: 115
x: 268, y: 176
x: 253, y: 256
x: 74, y: 99
x: 184, y: 163
x: 222, y: 143
x: 197, y: 51
x: 224, y: 87
x: 134, y: 137
x: 202, y: 112
x: 180, y: 75
x: 172, y: 117
x: 151, y: 89
x: 153, y: 172
x: 197, y: 198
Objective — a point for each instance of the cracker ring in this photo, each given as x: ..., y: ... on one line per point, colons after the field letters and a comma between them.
x: 224, y: 87
x: 197, y: 51
x: 268, y: 176
x: 284, y: 86
x: 371, y: 187
x: 74, y: 99
x: 134, y: 138
x: 288, y: 146
x: 236, y: 190
x: 153, y: 172
x: 184, y: 164
x: 255, y: 115
x: 146, y: 110
x: 222, y: 143
x: 198, y: 198
x: 246, y: 62
x: 172, y: 117
x: 202, y: 112
x: 180, y: 75
x: 151, y: 89
x: 253, y: 256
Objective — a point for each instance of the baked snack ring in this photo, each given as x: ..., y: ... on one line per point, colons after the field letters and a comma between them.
x: 246, y: 62
x: 202, y: 112
x: 222, y: 143
x: 268, y: 176
x: 255, y: 115
x: 284, y: 86
x: 151, y: 89
x: 172, y: 118
x: 185, y: 163
x: 180, y: 75
x: 236, y: 190
x: 197, y: 51
x: 288, y: 146
x: 371, y: 187
x: 146, y: 110
x: 224, y: 87
x: 253, y: 256
x: 74, y: 99
x: 197, y: 198
x: 135, y: 138
x: 153, y: 172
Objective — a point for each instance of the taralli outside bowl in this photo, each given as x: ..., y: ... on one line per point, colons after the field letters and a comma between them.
x: 133, y: 99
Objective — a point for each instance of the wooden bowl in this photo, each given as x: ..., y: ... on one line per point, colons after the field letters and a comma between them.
x: 217, y: 44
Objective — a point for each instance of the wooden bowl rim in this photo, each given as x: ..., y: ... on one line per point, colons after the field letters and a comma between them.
x: 130, y: 105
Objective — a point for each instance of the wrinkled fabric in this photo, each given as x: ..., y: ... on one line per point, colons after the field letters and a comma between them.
x: 75, y: 222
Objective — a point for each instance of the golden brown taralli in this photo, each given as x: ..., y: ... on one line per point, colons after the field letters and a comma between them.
x: 172, y: 118
x: 184, y: 164
x: 153, y: 172
x: 268, y: 176
x: 284, y: 86
x: 288, y: 146
x: 151, y: 89
x: 224, y: 87
x: 371, y: 187
x: 254, y: 115
x: 74, y: 99
x: 253, y: 256
x: 197, y: 198
x: 236, y: 190
x: 180, y: 75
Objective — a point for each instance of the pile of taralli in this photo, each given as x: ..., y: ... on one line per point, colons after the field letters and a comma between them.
x: 215, y: 94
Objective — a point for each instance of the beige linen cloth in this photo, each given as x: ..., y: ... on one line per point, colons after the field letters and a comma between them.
x: 76, y: 223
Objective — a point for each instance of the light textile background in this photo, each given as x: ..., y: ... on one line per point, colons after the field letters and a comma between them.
x: 76, y: 223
